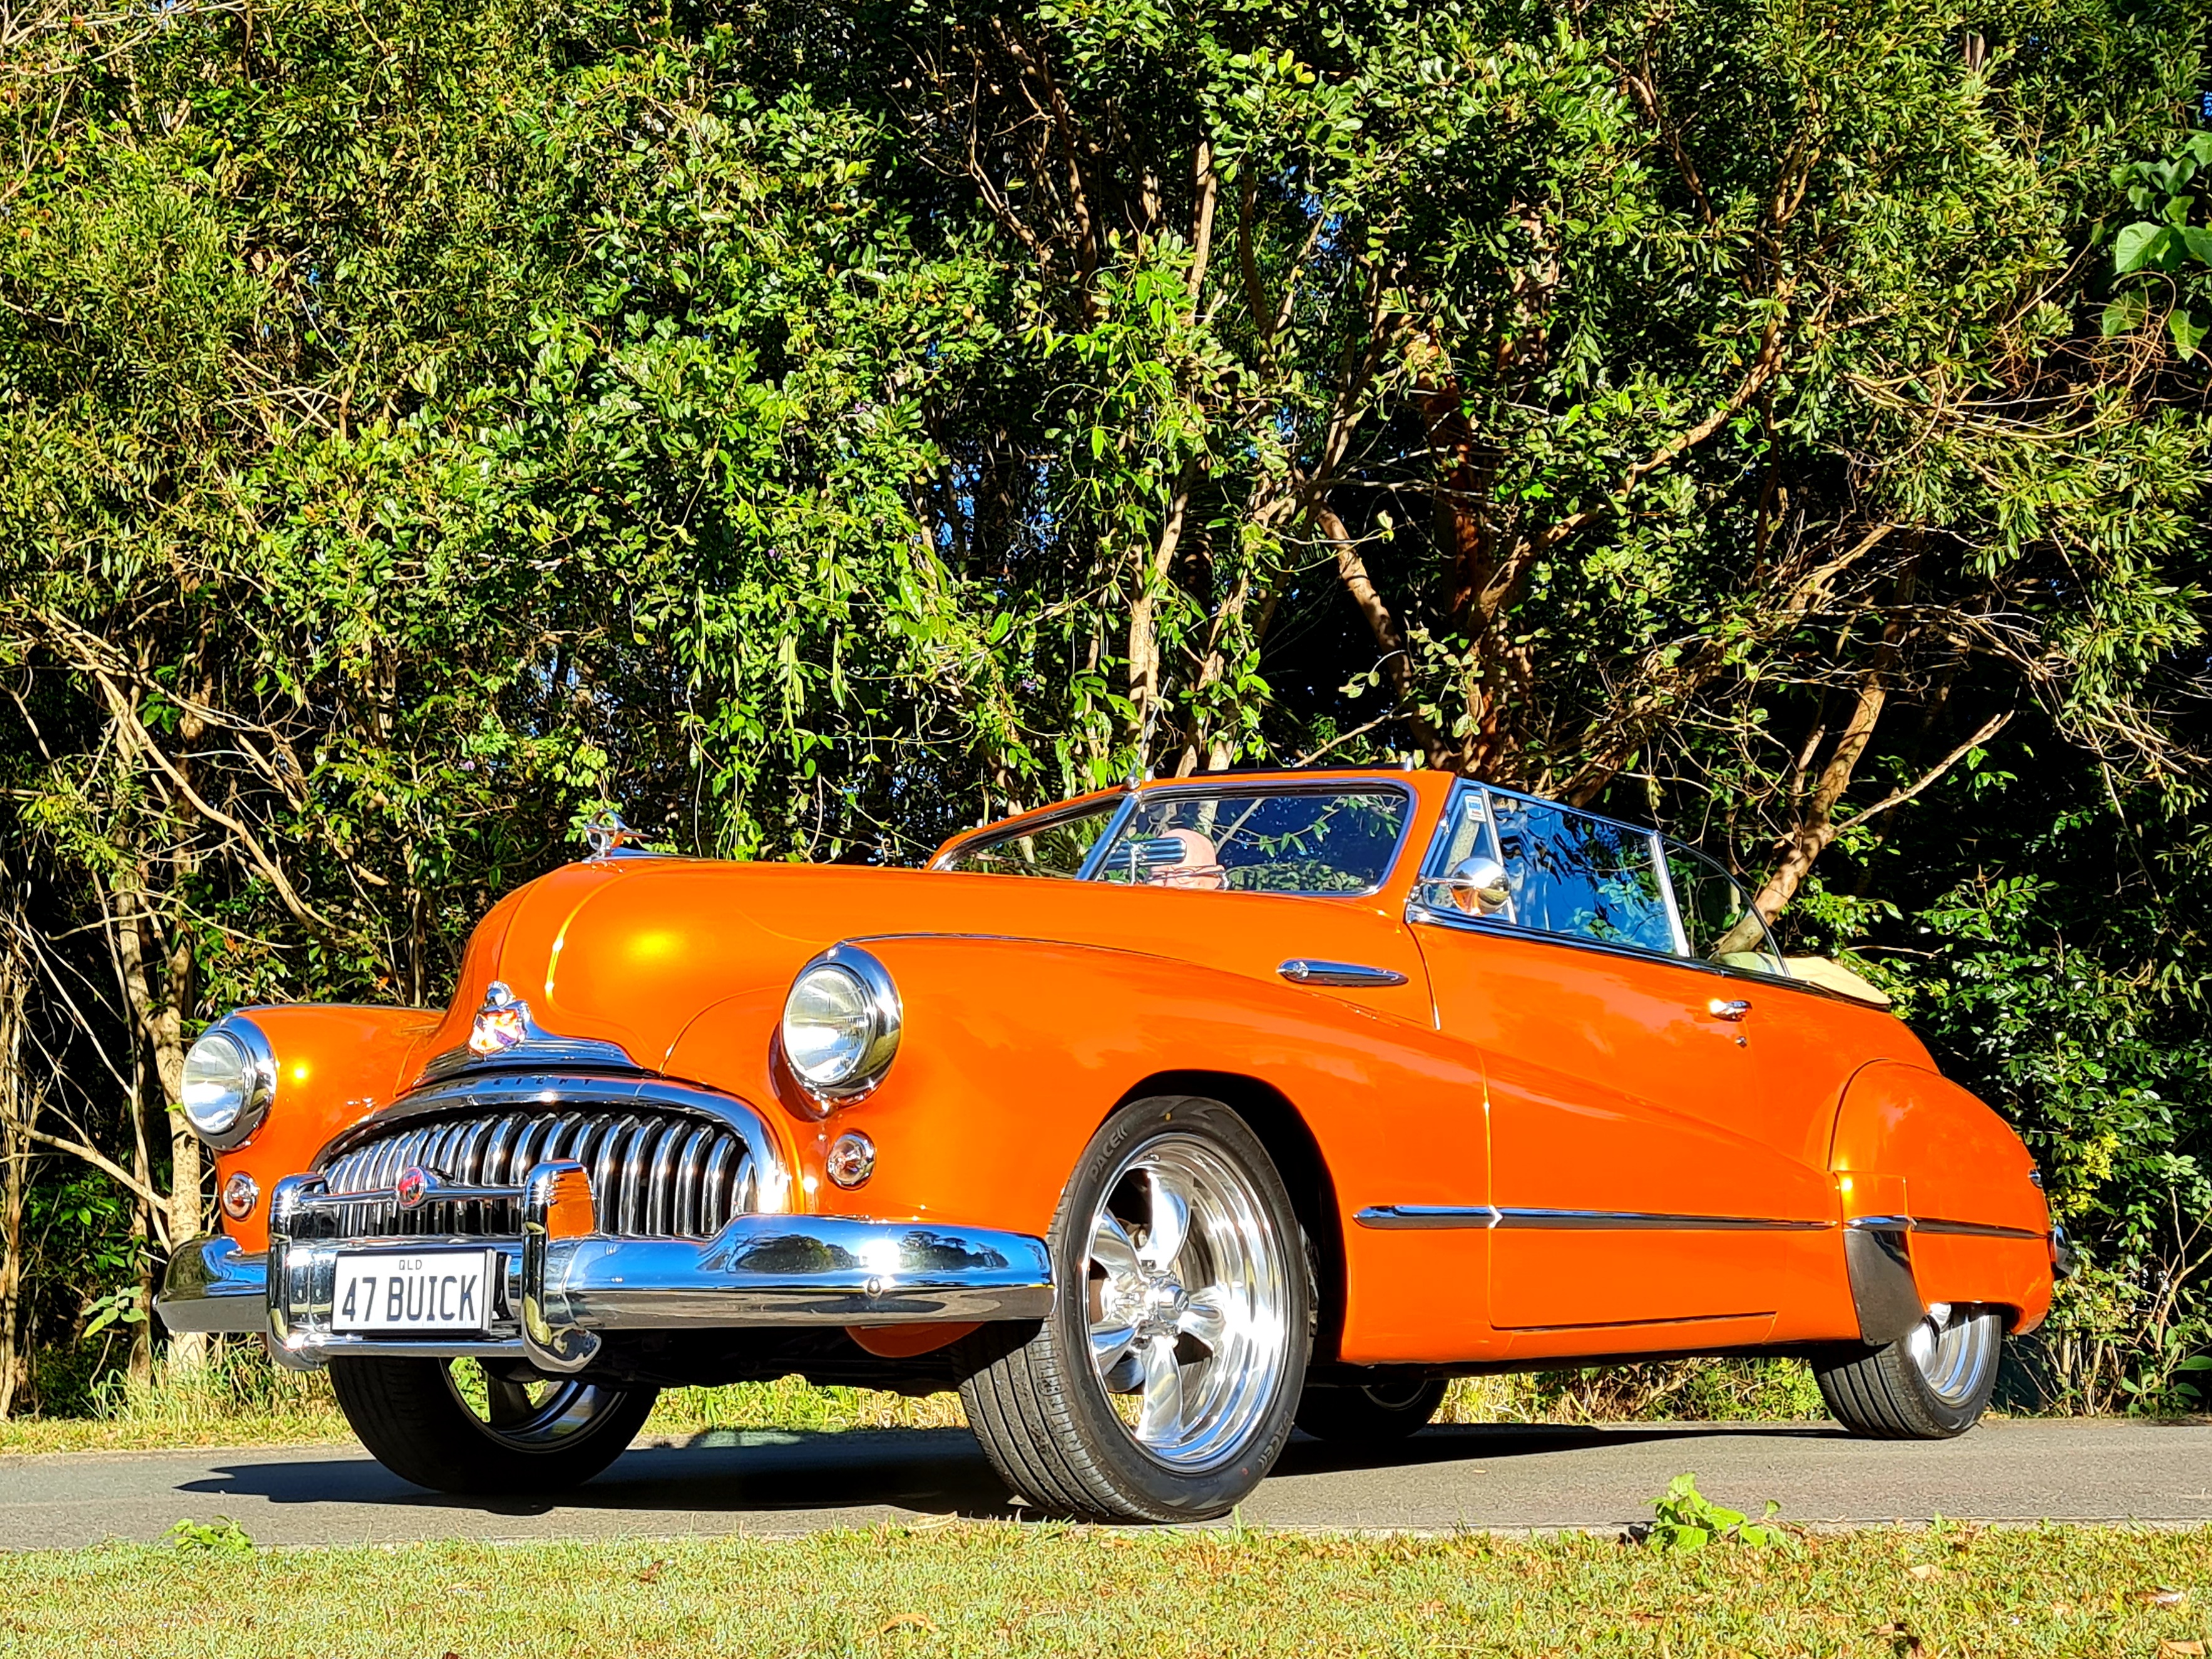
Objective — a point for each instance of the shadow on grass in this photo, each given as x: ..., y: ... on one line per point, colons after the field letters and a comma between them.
x: 928, y: 1471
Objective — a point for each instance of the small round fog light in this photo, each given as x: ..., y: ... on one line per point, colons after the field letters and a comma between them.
x: 240, y: 1193
x: 851, y: 1158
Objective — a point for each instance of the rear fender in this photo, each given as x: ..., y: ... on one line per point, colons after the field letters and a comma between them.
x: 1916, y: 1150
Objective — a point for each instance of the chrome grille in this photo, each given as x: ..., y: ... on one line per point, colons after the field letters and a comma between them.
x: 654, y: 1174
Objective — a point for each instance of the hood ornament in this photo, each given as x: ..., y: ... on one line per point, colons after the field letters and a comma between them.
x: 610, y: 837
x: 504, y: 1037
x: 501, y: 1023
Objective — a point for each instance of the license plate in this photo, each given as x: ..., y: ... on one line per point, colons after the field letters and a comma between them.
x: 437, y: 1291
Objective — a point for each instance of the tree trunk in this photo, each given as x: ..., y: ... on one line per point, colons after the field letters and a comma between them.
x: 16, y: 1108
x: 1816, y: 821
x: 128, y: 940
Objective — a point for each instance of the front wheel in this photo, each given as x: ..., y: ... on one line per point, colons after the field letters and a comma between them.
x: 1162, y: 1386
x: 1931, y: 1383
x: 462, y: 1425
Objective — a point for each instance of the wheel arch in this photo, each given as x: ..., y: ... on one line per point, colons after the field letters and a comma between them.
x: 1290, y: 1140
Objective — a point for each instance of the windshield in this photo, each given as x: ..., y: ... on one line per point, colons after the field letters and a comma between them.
x: 1307, y: 841
x: 1054, y: 847
x: 1247, y: 840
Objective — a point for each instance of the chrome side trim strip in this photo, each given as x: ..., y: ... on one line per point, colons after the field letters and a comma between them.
x: 1426, y: 1215
x: 1485, y: 1215
x: 1300, y: 971
x: 1917, y: 1223
x: 1922, y: 1224
x: 1640, y: 1221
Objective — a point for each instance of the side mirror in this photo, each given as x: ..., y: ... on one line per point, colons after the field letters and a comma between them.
x: 1477, y: 885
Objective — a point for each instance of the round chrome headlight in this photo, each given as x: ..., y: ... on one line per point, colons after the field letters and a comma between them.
x: 840, y: 1024
x: 230, y: 1078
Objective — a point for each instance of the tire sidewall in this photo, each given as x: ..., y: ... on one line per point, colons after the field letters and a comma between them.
x: 1156, y: 1485
x: 406, y: 1413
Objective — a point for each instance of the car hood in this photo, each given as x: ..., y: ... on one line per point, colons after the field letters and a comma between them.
x: 631, y: 950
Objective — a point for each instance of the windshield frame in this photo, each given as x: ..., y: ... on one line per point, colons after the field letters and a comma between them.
x: 1214, y: 783
x: 1220, y: 786
x: 1031, y: 823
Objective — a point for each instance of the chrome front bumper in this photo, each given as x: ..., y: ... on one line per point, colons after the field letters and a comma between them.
x: 561, y: 1294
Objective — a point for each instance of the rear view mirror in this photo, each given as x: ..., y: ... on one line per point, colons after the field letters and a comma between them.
x: 1477, y: 886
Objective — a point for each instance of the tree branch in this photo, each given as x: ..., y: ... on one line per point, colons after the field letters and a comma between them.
x: 107, y: 1166
x: 1899, y: 797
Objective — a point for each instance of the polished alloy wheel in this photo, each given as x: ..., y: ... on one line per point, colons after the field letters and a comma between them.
x: 1190, y: 1302
x: 529, y: 1414
x: 1953, y: 1350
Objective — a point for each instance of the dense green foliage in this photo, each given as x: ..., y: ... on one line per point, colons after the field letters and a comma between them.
x: 819, y: 427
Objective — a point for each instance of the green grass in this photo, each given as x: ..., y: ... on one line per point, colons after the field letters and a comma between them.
x: 240, y: 1399
x: 992, y: 1590
x: 225, y: 1406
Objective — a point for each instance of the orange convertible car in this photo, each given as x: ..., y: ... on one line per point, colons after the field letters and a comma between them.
x: 1156, y: 1123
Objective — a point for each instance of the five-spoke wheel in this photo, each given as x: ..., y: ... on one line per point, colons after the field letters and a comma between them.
x: 1164, y: 1389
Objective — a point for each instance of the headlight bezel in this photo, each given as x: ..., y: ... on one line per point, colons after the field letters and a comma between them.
x: 255, y: 1072
x: 886, y: 1018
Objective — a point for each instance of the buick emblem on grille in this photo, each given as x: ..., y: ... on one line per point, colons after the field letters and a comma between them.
x: 501, y: 1023
x: 413, y: 1186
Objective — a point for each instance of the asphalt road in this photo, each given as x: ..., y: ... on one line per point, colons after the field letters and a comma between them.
x: 766, y: 1485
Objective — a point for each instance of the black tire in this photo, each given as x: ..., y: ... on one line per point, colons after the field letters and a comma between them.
x: 1045, y: 1413
x: 414, y: 1418
x: 1931, y: 1384
x: 1370, y: 1411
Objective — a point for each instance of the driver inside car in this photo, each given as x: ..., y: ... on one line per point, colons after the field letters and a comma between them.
x: 1199, y: 867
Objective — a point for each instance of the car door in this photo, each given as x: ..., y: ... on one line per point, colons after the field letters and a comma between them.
x: 1628, y: 1187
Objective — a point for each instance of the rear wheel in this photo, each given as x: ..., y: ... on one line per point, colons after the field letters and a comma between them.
x: 467, y: 1425
x: 1370, y: 1411
x: 1931, y: 1383
x: 1162, y: 1386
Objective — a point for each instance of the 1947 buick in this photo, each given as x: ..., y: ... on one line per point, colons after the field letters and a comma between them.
x: 1156, y: 1123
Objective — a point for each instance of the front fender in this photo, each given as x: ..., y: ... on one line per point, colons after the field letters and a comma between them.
x: 1014, y: 1052
x: 336, y: 1064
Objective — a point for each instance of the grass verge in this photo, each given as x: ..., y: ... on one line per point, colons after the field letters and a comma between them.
x: 240, y: 1399
x: 966, y: 1589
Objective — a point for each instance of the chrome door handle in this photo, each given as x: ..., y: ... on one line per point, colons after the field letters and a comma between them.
x: 1728, y: 1008
x: 1301, y: 970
